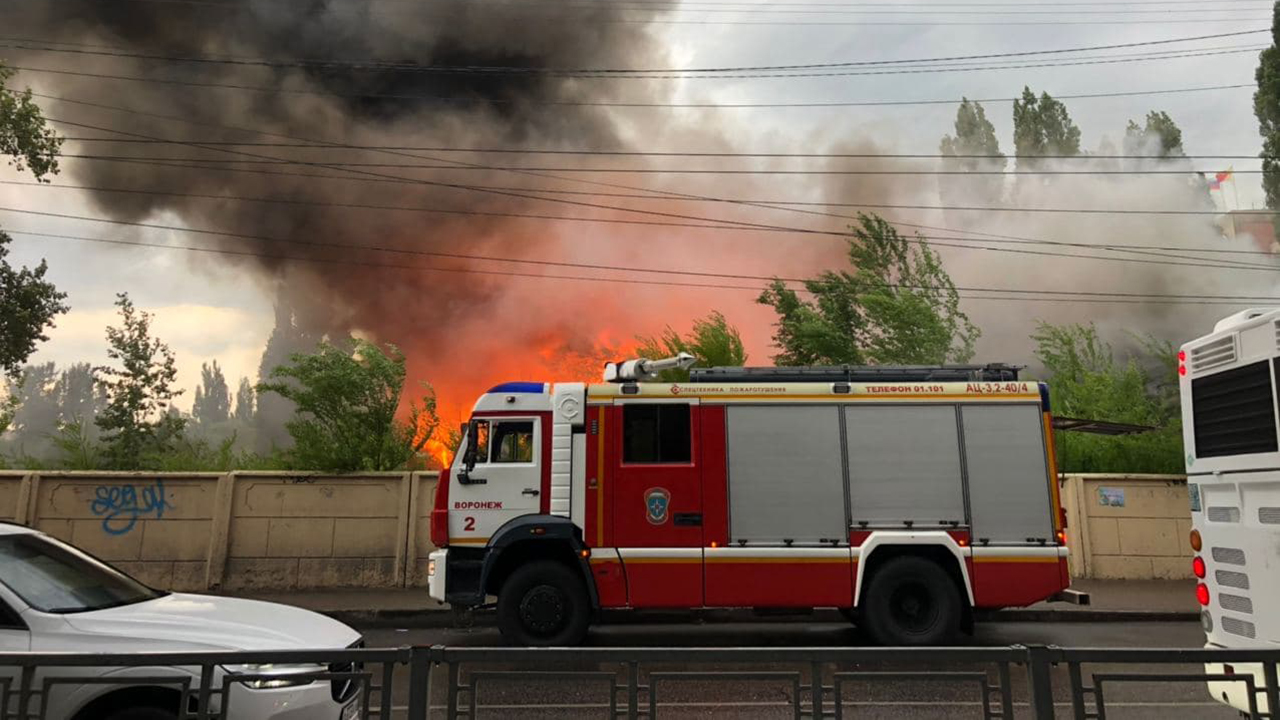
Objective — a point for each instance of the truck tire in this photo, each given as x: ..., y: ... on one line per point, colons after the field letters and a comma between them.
x: 911, y: 601
x: 543, y: 604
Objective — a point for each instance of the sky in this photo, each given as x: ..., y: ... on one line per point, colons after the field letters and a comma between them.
x: 208, y: 308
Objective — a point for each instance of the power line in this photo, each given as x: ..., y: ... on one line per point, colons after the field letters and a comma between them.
x: 758, y: 105
x: 966, y: 243
x: 411, y: 208
x: 661, y: 20
x: 384, y: 65
x: 830, y: 8
x: 1023, y: 295
x: 883, y: 206
x: 998, y: 238
x: 667, y: 153
x: 434, y: 98
x: 966, y: 3
x: 364, y: 174
x: 161, y: 161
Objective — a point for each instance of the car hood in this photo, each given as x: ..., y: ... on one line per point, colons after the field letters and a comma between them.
x: 179, y: 620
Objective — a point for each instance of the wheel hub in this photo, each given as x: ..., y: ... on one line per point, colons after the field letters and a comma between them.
x: 543, y: 609
x: 913, y: 607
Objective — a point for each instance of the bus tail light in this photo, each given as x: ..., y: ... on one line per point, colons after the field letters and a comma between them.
x: 1197, y: 566
x: 1182, y: 360
x: 1202, y: 593
x: 1196, y: 543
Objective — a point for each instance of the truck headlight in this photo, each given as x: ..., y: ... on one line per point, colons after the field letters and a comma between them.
x: 280, y: 675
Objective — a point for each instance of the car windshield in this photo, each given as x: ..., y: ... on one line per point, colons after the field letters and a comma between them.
x: 53, y: 577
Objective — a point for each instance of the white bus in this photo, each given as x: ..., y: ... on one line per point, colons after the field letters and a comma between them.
x: 1228, y: 381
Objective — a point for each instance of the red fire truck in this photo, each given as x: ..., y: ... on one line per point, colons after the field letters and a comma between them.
x: 907, y: 497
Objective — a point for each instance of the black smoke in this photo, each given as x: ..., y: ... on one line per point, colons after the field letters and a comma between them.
x: 340, y: 71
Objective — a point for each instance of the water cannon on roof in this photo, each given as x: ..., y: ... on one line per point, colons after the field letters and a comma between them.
x: 642, y: 369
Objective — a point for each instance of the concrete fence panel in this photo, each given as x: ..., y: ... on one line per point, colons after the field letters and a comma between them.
x: 15, y: 495
x: 154, y: 527
x: 1130, y: 527
x: 309, y: 531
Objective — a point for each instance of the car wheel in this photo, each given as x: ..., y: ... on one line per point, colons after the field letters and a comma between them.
x: 911, y: 601
x: 142, y: 713
x: 543, y: 604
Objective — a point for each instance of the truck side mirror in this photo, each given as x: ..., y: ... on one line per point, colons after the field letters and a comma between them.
x: 473, y: 439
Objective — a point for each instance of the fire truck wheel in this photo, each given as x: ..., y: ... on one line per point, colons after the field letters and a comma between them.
x: 911, y: 601
x: 543, y: 604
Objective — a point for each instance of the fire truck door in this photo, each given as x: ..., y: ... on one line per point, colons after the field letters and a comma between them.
x: 657, y: 501
x: 505, y: 483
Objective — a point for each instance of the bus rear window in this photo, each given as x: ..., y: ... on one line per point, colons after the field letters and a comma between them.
x: 1234, y: 412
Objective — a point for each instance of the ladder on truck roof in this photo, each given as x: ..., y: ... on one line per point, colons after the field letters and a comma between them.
x: 858, y: 373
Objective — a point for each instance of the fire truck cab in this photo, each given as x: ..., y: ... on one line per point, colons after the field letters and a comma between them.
x: 906, y: 497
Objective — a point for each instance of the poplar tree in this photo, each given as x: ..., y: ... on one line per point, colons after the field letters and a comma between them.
x: 1042, y: 126
x: 1266, y: 106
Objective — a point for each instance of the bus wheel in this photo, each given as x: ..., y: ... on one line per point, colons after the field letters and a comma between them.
x: 543, y: 604
x: 911, y: 601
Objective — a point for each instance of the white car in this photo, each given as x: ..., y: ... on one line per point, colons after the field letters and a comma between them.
x: 55, y: 598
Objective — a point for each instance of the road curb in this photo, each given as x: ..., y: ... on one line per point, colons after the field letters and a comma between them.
x: 447, y: 618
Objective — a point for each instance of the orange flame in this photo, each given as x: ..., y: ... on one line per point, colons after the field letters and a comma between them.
x: 436, y: 446
x: 549, y: 358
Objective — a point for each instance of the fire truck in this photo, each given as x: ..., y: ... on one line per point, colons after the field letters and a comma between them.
x: 906, y: 497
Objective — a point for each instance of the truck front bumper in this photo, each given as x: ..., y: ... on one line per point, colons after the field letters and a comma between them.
x: 436, y: 570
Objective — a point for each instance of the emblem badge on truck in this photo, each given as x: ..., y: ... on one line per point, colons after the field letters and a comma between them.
x: 656, y: 503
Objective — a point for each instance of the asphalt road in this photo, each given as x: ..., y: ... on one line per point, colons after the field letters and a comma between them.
x: 720, y: 696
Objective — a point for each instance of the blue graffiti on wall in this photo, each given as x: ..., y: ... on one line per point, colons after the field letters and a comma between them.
x: 120, y: 506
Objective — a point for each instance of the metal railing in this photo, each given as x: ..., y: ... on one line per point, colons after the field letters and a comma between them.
x: 416, y: 683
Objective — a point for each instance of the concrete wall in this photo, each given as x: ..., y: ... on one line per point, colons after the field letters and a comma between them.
x: 278, y: 531
x: 202, y: 531
x: 1132, y: 527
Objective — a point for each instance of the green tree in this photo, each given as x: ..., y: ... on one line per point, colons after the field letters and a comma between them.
x: 897, y: 306
x: 28, y: 302
x: 1087, y: 382
x: 975, y: 135
x: 28, y: 305
x: 137, y: 422
x: 1160, y: 137
x: 244, y: 401
x: 713, y: 341
x: 975, y: 148
x: 1266, y: 106
x: 347, y: 398
x: 213, y: 398
x: 38, y: 403
x: 1042, y: 126
x: 80, y: 397
x: 24, y: 135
